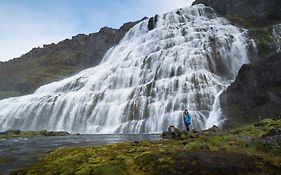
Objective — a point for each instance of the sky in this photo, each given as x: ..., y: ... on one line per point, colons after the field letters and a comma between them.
x: 25, y: 24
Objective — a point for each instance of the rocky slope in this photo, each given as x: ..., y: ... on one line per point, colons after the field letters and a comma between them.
x: 55, y: 61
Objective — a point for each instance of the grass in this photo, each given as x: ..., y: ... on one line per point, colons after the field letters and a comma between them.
x: 17, y: 133
x: 7, y: 93
x: 4, y: 160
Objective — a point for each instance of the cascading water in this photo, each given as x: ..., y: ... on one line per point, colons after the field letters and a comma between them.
x: 277, y: 36
x: 163, y: 65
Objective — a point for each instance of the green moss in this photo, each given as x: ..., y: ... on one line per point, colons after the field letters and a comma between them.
x: 107, y: 169
x: 4, y: 160
x: 8, y: 93
x: 236, y: 150
x: 263, y: 37
x: 17, y: 133
x: 240, y: 21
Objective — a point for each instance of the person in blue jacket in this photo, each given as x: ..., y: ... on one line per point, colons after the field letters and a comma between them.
x: 186, y: 119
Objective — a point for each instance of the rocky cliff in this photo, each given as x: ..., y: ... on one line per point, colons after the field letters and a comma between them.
x: 257, y: 16
x: 255, y: 93
x: 55, y: 61
x: 247, y: 12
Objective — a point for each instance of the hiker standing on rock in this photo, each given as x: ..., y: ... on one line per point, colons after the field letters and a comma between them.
x: 186, y: 119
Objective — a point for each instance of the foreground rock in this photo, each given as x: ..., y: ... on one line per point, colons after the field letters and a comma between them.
x: 18, y: 133
x: 214, y: 151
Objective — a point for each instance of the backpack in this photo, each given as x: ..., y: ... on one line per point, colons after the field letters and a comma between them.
x: 187, y: 118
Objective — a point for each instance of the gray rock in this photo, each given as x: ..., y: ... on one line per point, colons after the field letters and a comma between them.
x: 255, y: 94
x: 253, y: 12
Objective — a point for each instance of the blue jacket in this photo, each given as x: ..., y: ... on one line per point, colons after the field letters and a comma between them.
x: 187, y: 119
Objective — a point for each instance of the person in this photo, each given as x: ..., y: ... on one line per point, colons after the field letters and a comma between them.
x: 186, y: 119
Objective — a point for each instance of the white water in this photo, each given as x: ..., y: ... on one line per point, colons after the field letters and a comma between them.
x: 277, y: 36
x: 144, y: 83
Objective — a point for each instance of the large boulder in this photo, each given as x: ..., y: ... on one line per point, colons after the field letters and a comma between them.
x: 255, y: 94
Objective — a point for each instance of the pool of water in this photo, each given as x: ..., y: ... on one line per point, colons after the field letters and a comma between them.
x: 23, y: 151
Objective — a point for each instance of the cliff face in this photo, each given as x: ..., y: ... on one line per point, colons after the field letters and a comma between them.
x: 55, y: 61
x: 257, y: 16
x: 255, y: 93
x: 247, y: 12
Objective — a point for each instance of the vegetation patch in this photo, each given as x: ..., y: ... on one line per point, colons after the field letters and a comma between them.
x: 214, y: 151
x: 4, y: 160
x: 18, y: 133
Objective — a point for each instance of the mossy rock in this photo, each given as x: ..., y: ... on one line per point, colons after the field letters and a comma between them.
x: 17, y: 133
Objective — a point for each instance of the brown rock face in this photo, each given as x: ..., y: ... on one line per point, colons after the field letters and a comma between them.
x: 56, y: 61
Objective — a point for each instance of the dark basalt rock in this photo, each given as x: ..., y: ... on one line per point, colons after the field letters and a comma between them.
x: 247, y: 12
x: 152, y: 22
x: 255, y: 94
x: 174, y: 133
x: 271, y: 141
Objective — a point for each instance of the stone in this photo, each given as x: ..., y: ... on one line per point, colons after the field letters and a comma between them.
x: 174, y: 133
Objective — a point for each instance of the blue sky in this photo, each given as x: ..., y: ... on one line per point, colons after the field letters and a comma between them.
x: 26, y: 24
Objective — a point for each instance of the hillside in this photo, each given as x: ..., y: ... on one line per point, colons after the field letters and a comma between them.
x: 56, y: 61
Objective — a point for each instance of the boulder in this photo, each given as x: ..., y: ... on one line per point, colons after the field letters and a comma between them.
x: 255, y: 94
x: 174, y: 133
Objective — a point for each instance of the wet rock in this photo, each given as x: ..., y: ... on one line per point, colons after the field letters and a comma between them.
x: 255, y: 93
x: 53, y: 133
x: 213, y: 129
x: 11, y: 132
x: 152, y: 22
x: 271, y: 141
x: 174, y: 133
x: 276, y: 131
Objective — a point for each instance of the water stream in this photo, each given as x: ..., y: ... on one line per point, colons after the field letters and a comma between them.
x: 178, y: 60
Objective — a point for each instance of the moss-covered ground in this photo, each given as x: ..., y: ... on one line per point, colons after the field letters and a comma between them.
x: 214, y: 151
x: 17, y: 133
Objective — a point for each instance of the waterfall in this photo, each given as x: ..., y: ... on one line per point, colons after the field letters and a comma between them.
x: 165, y: 64
x: 276, y: 36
